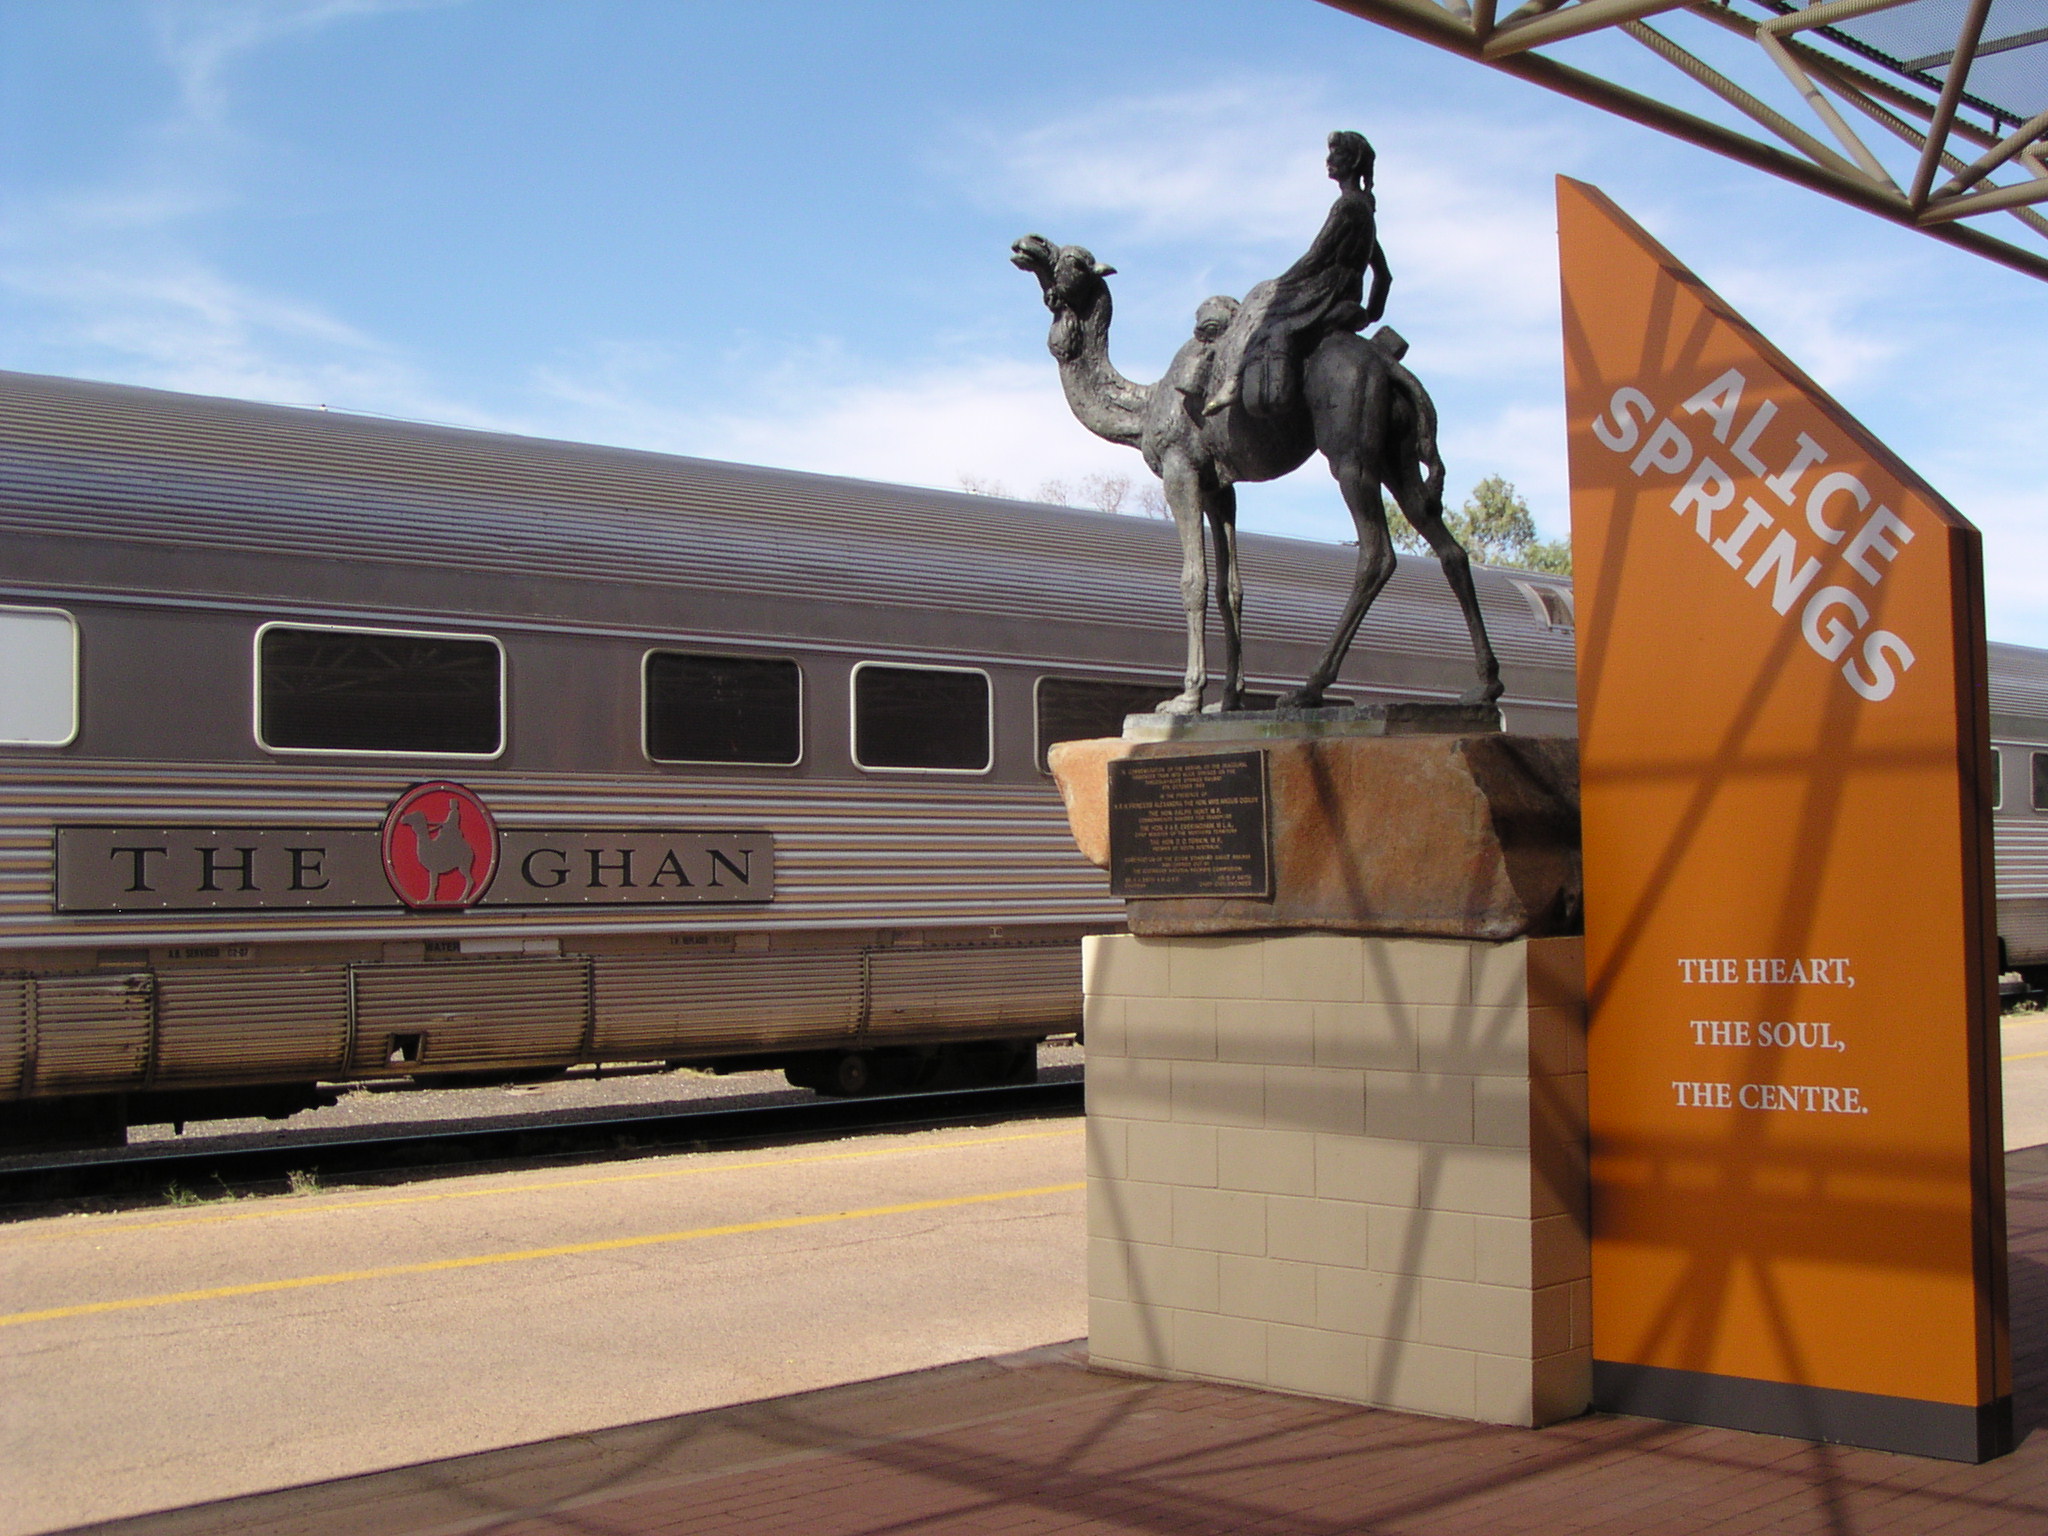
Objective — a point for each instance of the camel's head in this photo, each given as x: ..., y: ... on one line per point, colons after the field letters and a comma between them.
x: 1071, y: 280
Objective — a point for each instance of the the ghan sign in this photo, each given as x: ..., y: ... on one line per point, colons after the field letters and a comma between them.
x: 438, y: 850
x: 1797, y: 1210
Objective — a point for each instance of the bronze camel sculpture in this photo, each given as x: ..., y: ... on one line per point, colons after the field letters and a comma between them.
x: 1357, y: 405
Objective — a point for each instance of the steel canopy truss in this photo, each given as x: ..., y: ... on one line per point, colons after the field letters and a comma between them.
x: 1954, y: 92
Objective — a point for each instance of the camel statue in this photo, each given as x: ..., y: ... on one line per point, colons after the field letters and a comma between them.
x: 1368, y: 416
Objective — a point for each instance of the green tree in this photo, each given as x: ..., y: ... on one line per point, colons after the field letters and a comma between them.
x: 1496, y: 528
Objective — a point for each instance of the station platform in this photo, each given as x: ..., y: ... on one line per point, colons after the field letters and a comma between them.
x: 1035, y: 1442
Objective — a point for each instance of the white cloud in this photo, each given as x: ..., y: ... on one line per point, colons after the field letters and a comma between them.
x: 996, y: 419
x: 1217, y: 163
x: 1193, y: 180
x: 1229, y: 178
x: 1523, y: 441
x: 1831, y: 327
x: 201, y: 40
x: 1195, y: 190
x: 109, y: 279
x: 171, y: 322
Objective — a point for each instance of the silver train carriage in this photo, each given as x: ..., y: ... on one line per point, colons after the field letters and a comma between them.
x: 2019, y: 816
x: 333, y: 748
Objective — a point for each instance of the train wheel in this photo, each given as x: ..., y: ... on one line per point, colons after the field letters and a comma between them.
x: 851, y: 1076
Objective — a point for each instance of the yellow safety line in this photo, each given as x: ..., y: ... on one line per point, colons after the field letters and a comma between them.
x: 74, y: 1227
x: 524, y: 1255
x: 2025, y: 1056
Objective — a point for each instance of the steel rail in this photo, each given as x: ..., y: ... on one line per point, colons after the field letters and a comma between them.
x: 443, y: 1150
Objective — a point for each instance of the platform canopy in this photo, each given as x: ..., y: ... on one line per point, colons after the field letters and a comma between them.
x: 1931, y: 113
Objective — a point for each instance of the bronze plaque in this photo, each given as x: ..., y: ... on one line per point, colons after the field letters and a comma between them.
x: 1190, y: 826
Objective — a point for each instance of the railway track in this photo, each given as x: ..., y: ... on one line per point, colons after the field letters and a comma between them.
x: 253, y: 1170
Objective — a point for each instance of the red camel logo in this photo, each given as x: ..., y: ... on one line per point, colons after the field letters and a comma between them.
x: 440, y: 846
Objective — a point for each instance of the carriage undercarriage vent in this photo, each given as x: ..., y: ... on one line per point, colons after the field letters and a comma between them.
x: 405, y: 1049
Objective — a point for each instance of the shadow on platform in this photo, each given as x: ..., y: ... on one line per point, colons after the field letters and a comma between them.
x: 1037, y: 1442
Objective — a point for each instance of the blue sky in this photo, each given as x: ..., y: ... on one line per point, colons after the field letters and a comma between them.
x: 776, y: 232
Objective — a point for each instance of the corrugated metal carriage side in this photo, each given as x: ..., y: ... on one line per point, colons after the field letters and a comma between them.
x: 2019, y: 731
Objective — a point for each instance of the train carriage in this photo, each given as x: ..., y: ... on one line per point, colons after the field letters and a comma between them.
x: 335, y: 748
x: 241, y: 636
x: 2019, y: 817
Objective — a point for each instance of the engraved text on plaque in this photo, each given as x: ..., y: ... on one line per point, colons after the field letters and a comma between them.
x: 1190, y: 826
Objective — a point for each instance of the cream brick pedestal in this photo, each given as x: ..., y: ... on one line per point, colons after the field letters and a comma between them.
x: 1342, y: 1166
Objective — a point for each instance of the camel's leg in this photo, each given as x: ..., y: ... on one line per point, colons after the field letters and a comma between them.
x: 1184, y: 499
x: 1361, y: 489
x: 1348, y: 401
x: 1221, y: 507
x: 1427, y: 519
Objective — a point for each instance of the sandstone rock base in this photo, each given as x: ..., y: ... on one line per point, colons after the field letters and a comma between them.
x: 1471, y: 837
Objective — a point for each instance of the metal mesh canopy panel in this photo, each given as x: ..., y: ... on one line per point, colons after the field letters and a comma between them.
x: 2009, y: 74
x: 1928, y: 112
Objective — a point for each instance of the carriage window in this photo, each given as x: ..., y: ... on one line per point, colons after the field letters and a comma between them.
x: 1074, y: 709
x: 1997, y: 779
x: 1551, y: 605
x: 2041, y: 781
x: 359, y: 690
x: 723, y: 709
x: 38, y: 677
x: 933, y: 718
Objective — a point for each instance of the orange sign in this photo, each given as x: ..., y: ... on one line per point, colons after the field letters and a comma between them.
x: 1798, y: 1197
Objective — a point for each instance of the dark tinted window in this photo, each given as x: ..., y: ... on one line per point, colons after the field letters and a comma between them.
x: 1997, y: 779
x: 345, y: 691
x: 723, y: 709
x: 919, y: 717
x: 1070, y: 709
x: 2041, y: 781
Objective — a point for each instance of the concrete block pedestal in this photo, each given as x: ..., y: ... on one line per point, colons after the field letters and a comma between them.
x: 1345, y: 1166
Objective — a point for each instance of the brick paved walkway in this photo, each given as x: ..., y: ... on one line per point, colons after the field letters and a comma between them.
x: 1034, y: 1443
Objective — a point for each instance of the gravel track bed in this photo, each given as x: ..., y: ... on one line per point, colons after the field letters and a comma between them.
x: 396, y: 1108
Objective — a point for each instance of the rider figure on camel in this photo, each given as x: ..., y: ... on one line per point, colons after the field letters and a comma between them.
x: 1321, y: 295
